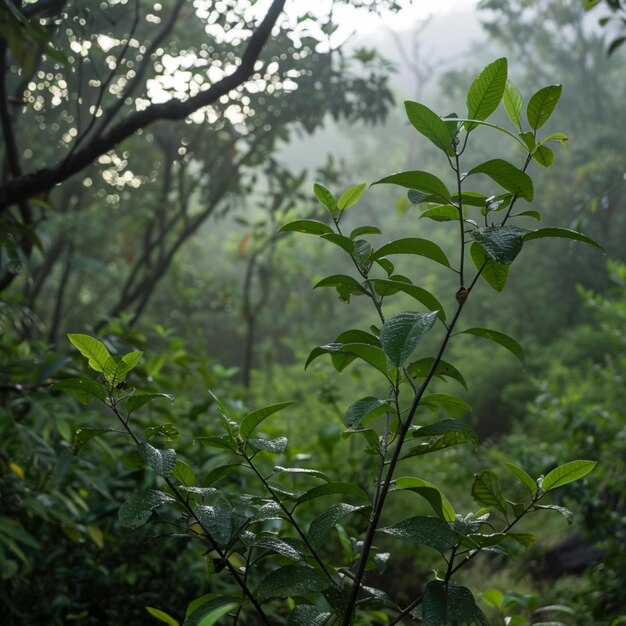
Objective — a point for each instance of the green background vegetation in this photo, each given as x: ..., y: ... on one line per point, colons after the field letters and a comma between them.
x: 168, y: 243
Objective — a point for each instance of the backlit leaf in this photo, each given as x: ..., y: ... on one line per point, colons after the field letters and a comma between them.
x: 512, y: 101
x: 96, y: 353
x: 542, y: 104
x: 436, y: 498
x: 524, y: 478
x: 567, y: 473
x: 485, y: 93
x: 325, y: 197
x: 486, y: 490
x: 350, y: 197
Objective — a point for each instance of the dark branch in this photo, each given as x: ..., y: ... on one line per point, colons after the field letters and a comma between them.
x: 45, y: 179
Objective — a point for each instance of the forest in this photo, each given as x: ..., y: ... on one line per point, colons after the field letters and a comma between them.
x: 313, y: 314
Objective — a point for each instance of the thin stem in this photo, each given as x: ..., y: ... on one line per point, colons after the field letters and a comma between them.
x: 289, y: 515
x: 112, y: 402
x: 457, y: 170
x: 384, y: 491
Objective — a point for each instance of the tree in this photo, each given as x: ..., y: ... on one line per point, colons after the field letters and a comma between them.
x: 67, y: 247
x: 81, y: 78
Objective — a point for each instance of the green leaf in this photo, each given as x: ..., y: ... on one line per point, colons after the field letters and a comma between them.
x: 365, y: 410
x: 322, y: 525
x: 273, y: 446
x: 350, y: 197
x: 436, y: 498
x: 542, y: 104
x: 345, y: 243
x: 424, y: 530
x: 565, y: 512
x: 492, y: 597
x: 485, y: 93
x: 454, y: 406
x: 368, y: 353
x: 305, y: 471
x: 544, y: 156
x: 524, y: 478
x: 563, y: 233
x: 137, y: 400
x: 534, y: 214
x: 501, y: 243
x: 134, y: 461
x: 83, y: 435
x: 529, y: 140
x: 500, y: 338
x: 365, y: 230
x: 493, y: 273
x: 441, y: 213
x: 567, y: 473
x: 429, y: 124
x: 96, y: 353
x: 507, y: 176
x: 211, y: 618
x: 183, y: 473
x: 307, y: 615
x: 137, y: 509
x: 166, y: 431
x: 275, y: 545
x: 325, y: 197
x: 421, y: 181
x: 358, y: 336
x: 310, y: 227
x: 342, y: 280
x: 206, y: 605
x: 161, y: 461
x: 447, y: 603
x: 401, y: 333
x: 221, y: 442
x: 292, y: 580
x: 448, y: 426
x: 421, y: 368
x: 252, y: 420
x: 162, y: 616
x: 362, y: 253
x: 217, y: 520
x: 512, y: 101
x: 127, y: 363
x: 85, y: 389
x: 229, y: 423
x: 486, y: 490
x: 330, y: 489
x: 385, y: 287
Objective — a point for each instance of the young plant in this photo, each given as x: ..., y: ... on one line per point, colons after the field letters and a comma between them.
x: 278, y: 554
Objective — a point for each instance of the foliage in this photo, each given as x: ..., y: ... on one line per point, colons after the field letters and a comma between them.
x: 275, y: 540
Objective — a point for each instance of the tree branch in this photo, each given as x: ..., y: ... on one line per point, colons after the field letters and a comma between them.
x: 45, y: 179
